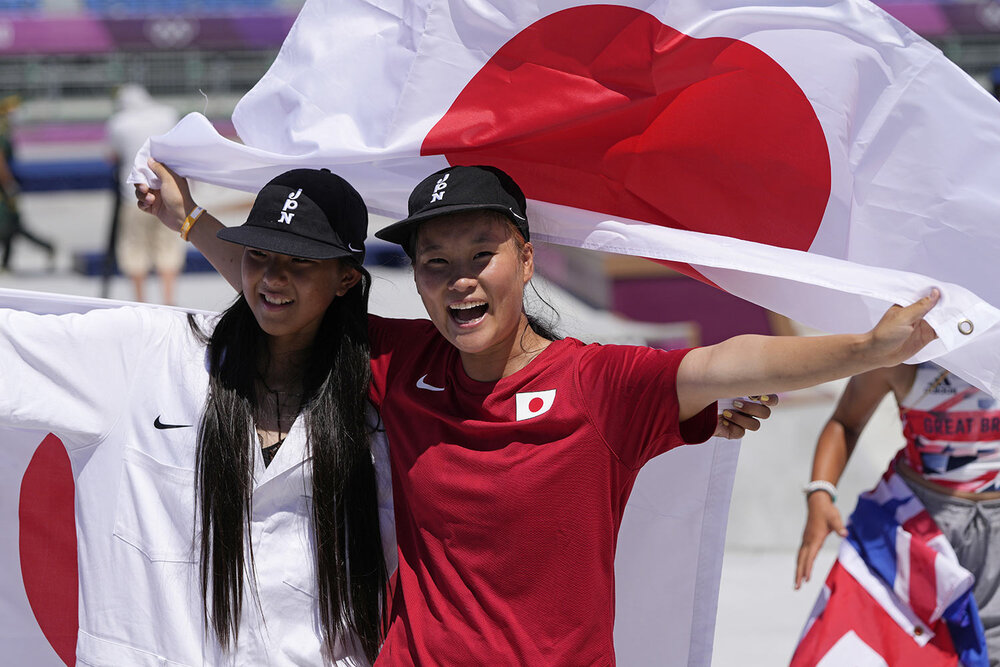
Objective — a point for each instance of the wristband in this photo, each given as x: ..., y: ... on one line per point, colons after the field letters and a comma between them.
x: 189, y: 221
x: 820, y: 485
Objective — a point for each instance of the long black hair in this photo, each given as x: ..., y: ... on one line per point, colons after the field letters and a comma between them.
x: 351, y: 569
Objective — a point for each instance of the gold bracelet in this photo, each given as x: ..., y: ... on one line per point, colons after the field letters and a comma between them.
x: 189, y: 221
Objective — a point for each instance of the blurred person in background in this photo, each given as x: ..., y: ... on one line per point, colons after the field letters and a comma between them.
x: 11, y: 224
x: 142, y: 244
x: 949, y: 467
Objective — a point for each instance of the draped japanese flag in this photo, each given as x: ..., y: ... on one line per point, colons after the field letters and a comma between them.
x: 39, y: 583
x: 760, y: 145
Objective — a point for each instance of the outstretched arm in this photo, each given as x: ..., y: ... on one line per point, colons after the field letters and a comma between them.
x: 50, y: 366
x: 751, y: 365
x: 172, y: 203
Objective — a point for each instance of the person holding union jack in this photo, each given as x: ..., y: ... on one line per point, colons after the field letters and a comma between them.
x: 925, y: 533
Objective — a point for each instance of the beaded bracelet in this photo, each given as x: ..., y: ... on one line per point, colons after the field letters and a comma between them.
x: 820, y: 485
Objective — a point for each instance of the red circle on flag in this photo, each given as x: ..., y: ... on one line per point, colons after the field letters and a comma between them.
x: 47, y: 545
x: 605, y: 108
x: 535, y: 404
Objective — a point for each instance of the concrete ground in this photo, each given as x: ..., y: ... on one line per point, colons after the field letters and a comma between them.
x: 760, y: 616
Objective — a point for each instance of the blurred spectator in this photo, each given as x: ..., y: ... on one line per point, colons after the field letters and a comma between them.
x: 11, y: 224
x: 142, y: 242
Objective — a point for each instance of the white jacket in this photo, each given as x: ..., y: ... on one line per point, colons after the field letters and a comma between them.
x: 107, y: 383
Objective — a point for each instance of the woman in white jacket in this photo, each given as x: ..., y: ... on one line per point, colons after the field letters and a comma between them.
x: 228, y: 496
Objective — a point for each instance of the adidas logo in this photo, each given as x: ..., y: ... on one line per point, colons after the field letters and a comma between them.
x: 944, y: 387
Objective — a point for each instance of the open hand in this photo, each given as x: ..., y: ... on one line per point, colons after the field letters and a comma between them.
x: 823, y: 519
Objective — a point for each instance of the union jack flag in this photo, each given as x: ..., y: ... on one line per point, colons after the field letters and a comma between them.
x: 896, y: 594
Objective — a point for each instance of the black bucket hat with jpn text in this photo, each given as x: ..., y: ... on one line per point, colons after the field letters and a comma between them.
x: 309, y: 213
x: 457, y: 189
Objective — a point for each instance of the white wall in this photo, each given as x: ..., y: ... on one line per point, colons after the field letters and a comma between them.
x: 768, y: 508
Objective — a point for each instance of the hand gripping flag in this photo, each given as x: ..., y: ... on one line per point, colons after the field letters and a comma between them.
x: 759, y: 145
x: 896, y: 594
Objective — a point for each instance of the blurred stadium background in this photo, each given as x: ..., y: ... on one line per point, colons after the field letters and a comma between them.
x: 64, y: 59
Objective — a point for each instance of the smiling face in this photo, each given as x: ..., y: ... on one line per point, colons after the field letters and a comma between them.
x: 470, y: 272
x: 289, y: 295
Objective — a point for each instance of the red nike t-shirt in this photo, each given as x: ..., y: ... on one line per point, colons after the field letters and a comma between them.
x: 509, y: 494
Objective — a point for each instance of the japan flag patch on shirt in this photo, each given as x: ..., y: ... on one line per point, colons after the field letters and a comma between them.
x: 533, y: 403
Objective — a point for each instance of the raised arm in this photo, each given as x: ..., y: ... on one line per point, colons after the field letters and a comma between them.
x: 836, y: 443
x: 752, y: 365
x: 172, y: 203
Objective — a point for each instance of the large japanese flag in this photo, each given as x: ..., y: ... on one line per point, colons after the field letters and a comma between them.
x: 39, y: 583
x: 761, y: 145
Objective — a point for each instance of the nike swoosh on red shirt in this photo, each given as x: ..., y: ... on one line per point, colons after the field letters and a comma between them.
x: 421, y: 384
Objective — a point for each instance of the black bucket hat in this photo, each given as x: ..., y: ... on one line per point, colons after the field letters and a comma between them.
x: 457, y: 189
x: 310, y: 213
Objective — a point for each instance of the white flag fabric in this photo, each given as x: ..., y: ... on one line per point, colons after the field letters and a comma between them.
x: 762, y: 144
x: 39, y: 581
x: 668, y: 562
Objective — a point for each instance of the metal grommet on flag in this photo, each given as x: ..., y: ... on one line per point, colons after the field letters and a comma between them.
x: 965, y: 327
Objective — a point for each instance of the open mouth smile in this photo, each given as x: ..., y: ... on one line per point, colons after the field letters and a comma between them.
x: 275, y: 301
x: 468, y: 313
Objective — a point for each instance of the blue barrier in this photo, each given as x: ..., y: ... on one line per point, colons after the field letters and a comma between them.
x: 91, y: 263
x: 95, y: 174
x: 379, y: 253
x: 91, y: 174
x: 20, y: 5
